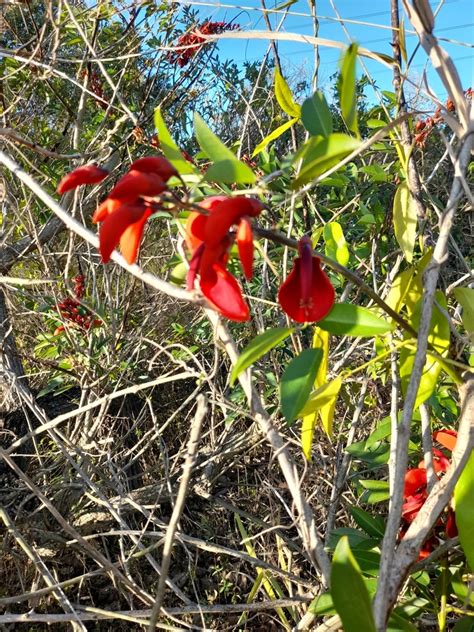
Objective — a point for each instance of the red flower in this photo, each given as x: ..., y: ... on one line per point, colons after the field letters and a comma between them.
x: 124, y: 226
x: 415, y: 482
x: 88, y: 174
x: 307, y: 294
x: 209, y: 239
x: 155, y: 164
x: 446, y: 437
x: 135, y: 184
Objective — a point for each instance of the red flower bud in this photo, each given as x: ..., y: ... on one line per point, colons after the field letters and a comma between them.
x: 134, y: 184
x: 155, y: 164
x: 307, y: 294
x: 124, y: 226
x: 88, y: 174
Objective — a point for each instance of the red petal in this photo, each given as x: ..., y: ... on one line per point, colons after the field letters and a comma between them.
x: 440, y: 461
x: 228, y: 213
x: 135, y: 184
x: 223, y: 292
x: 88, y: 174
x: 155, y: 164
x: 412, y: 506
x: 113, y: 227
x: 132, y: 236
x: 302, y: 308
x: 451, y: 527
x: 245, y: 246
x: 104, y: 209
x: 446, y: 437
x: 415, y: 481
x: 196, y: 222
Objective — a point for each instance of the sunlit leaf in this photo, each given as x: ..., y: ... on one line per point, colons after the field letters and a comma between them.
x: 465, y: 297
x: 321, y: 154
x: 273, y: 136
x: 405, y: 220
x: 347, y: 88
x: 284, y: 96
x: 464, y: 509
x: 170, y: 149
x: 336, y: 246
x: 325, y: 395
x: 349, y: 592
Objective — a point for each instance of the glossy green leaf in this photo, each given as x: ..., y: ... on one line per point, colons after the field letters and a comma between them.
x: 439, y: 338
x: 372, y: 525
x: 352, y: 320
x: 405, y: 220
x: 273, y: 136
x: 258, y: 347
x: 347, y: 88
x: 316, y: 115
x: 227, y: 167
x: 335, y: 243
x: 320, y: 154
x: 464, y: 508
x: 349, y: 592
x: 374, y: 485
x: 465, y: 297
x: 178, y: 273
x: 297, y: 381
x: 170, y: 149
x: 284, y: 96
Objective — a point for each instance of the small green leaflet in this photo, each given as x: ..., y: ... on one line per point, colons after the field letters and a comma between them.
x: 347, y: 88
x: 349, y: 592
x: 297, y: 382
x: 321, y: 154
x: 316, y: 115
x: 372, y: 525
x: 336, y: 246
x: 258, y: 347
x: 169, y: 147
x: 284, y: 96
x: 226, y: 168
x: 405, y: 220
x: 464, y: 507
x: 465, y: 297
x: 352, y: 320
x: 273, y: 136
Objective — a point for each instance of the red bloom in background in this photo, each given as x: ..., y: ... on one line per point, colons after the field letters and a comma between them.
x: 88, y: 174
x: 189, y: 44
x: 415, y: 492
x: 209, y: 238
x: 307, y: 294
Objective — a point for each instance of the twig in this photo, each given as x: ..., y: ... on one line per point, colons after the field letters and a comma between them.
x: 178, y: 507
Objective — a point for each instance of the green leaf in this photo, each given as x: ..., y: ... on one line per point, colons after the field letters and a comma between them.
x: 465, y: 297
x: 320, y: 154
x: 439, y: 338
x: 297, y: 382
x: 325, y: 395
x: 464, y: 507
x: 258, y: 347
x: 352, y: 320
x: 375, y: 485
x: 170, y: 149
x: 273, y: 135
x: 402, y: 40
x: 347, y: 88
x: 230, y: 171
x: 178, y: 273
x: 226, y: 168
x: 405, y: 220
x: 316, y: 115
x: 336, y: 246
x: 372, y: 525
x: 284, y: 96
x: 349, y: 593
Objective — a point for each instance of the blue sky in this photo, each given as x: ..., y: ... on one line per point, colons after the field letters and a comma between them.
x: 455, y: 22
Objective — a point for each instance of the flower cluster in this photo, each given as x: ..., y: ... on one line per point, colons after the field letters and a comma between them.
x: 73, y: 312
x: 424, y: 126
x: 124, y: 212
x: 95, y: 86
x: 189, y: 44
x: 209, y: 238
x: 306, y: 295
x: 416, y: 492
